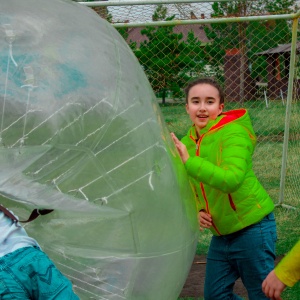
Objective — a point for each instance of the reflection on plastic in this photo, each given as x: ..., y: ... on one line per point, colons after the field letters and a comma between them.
x: 81, y: 133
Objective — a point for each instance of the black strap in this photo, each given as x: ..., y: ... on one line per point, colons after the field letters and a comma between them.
x: 37, y: 212
x: 34, y: 214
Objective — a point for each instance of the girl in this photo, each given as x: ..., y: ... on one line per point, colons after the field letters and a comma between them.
x: 217, y: 154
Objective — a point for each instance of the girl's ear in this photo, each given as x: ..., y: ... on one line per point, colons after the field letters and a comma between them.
x: 221, y: 107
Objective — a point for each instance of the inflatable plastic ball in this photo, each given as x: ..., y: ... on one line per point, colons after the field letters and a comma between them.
x: 81, y: 133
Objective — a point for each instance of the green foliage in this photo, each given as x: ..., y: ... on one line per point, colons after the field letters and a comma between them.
x: 265, y: 35
x: 160, y: 13
x: 123, y: 32
x: 169, y: 61
x: 275, y: 6
x: 251, y: 37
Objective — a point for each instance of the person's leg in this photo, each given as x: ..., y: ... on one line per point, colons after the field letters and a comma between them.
x: 11, y: 286
x: 254, y: 253
x: 46, y: 281
x: 220, y: 274
x: 28, y: 273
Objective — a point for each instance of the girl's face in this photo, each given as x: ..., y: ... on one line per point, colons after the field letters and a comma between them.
x: 203, y: 104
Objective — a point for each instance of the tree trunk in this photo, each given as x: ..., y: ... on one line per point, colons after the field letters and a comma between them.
x: 163, y: 100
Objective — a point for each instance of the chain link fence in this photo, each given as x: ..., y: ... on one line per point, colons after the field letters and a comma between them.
x: 250, y: 47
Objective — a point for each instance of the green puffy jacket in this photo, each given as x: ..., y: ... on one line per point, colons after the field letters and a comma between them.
x: 220, y: 168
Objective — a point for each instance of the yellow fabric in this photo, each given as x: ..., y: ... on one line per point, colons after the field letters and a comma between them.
x: 288, y: 269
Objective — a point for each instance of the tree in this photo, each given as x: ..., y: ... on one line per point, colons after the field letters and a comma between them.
x: 168, y: 60
x: 268, y: 34
x: 248, y: 37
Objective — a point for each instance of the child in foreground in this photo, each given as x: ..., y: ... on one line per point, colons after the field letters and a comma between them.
x: 217, y: 154
x: 26, y: 272
x: 286, y: 273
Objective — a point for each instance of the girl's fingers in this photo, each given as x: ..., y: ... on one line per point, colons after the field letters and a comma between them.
x: 173, y: 136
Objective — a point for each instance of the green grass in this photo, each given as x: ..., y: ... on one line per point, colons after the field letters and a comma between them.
x: 269, y: 125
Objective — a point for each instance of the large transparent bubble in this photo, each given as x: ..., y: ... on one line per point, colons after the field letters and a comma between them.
x: 81, y: 133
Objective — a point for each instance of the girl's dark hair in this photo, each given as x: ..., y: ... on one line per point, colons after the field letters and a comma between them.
x: 205, y: 80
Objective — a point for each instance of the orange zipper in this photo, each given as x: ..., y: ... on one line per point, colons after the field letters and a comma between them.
x: 207, y: 207
x: 202, y: 186
x: 231, y: 202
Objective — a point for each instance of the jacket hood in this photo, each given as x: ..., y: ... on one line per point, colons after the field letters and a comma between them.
x: 237, y: 116
x: 230, y: 116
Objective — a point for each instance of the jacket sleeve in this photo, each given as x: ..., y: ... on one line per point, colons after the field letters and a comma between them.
x: 235, y: 150
x: 288, y: 269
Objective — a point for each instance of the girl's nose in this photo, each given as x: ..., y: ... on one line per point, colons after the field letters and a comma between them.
x: 202, y: 107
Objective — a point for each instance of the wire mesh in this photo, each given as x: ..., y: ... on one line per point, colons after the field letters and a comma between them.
x: 245, y: 46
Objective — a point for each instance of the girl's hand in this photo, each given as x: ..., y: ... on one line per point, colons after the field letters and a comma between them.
x: 181, y: 148
x: 205, y: 219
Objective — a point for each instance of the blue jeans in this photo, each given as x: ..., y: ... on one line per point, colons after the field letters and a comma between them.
x: 248, y: 254
x: 28, y: 273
